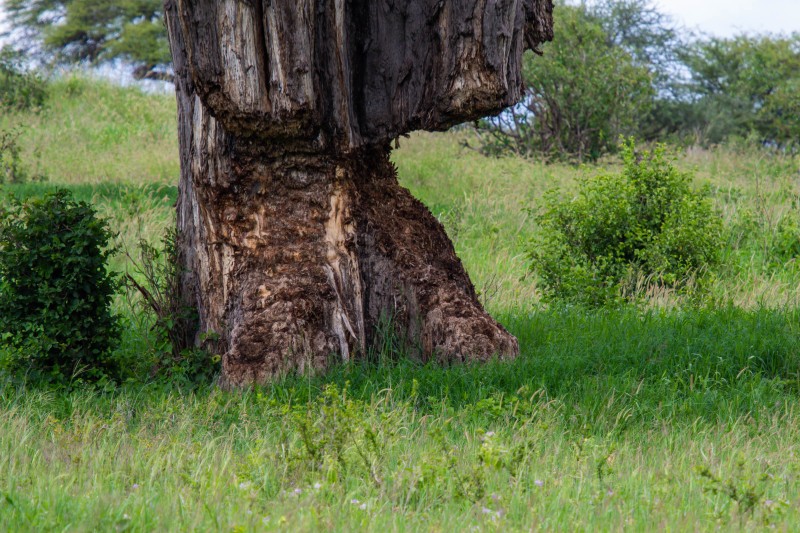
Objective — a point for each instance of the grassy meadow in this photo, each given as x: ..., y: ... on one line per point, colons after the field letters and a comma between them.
x: 660, y: 416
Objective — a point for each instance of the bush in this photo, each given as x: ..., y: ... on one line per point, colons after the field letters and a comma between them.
x: 10, y: 161
x: 55, y: 290
x: 645, y: 223
x: 19, y: 89
x: 156, y: 278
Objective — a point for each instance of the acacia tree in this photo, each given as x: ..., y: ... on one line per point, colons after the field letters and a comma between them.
x: 296, y: 238
x: 94, y: 31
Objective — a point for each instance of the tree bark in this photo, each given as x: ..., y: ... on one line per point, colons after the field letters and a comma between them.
x: 296, y: 238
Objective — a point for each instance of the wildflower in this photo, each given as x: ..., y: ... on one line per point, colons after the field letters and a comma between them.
x: 610, y: 492
x: 317, y: 485
x: 768, y: 503
x: 135, y: 486
x: 244, y: 485
x: 539, y: 483
x: 363, y: 506
x: 354, y: 501
x: 486, y: 510
x: 298, y: 491
x: 490, y: 434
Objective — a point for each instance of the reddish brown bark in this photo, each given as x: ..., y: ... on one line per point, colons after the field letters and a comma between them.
x: 296, y: 237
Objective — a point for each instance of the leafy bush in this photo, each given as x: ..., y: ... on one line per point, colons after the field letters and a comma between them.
x: 19, y: 89
x: 55, y: 290
x: 645, y: 223
x: 10, y: 161
x: 156, y: 278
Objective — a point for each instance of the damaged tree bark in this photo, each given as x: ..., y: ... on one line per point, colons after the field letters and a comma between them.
x: 296, y: 237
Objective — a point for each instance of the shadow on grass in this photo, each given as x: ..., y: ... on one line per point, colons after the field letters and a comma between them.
x: 709, y: 364
x: 602, y: 371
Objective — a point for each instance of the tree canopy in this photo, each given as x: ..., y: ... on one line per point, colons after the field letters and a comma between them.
x: 95, y: 31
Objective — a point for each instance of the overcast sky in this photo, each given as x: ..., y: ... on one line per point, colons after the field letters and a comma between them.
x: 727, y: 17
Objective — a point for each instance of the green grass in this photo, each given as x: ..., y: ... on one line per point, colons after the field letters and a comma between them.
x: 660, y: 417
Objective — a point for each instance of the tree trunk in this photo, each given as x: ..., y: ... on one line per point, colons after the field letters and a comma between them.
x: 298, y: 241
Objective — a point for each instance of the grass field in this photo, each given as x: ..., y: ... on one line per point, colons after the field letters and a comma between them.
x: 662, y: 416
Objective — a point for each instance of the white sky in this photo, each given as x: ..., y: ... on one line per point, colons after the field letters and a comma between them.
x: 724, y: 18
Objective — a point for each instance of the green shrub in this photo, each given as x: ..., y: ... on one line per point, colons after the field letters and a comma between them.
x: 643, y: 224
x: 55, y: 289
x: 156, y: 277
x: 19, y: 89
x: 11, y: 170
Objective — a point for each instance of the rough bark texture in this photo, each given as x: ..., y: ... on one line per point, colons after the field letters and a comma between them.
x: 296, y: 237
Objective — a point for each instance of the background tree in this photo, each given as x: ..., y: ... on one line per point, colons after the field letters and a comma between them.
x: 746, y: 85
x: 582, y: 95
x: 95, y: 31
x: 296, y: 238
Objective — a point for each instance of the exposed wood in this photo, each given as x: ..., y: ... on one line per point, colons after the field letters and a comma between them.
x: 296, y: 236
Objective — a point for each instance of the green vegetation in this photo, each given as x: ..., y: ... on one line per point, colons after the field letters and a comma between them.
x: 625, y: 232
x: 576, y: 104
x: 747, y: 86
x: 19, y: 89
x: 95, y: 31
x: 637, y: 75
x: 56, y: 290
x: 660, y: 416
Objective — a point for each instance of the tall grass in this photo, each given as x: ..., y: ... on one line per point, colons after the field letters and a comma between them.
x: 670, y: 417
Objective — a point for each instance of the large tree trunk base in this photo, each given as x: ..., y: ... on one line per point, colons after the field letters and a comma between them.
x: 304, y: 260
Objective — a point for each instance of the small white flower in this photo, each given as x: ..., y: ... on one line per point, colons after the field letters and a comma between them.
x: 363, y: 506
x: 317, y: 485
x: 490, y: 434
x: 298, y: 491
x: 244, y: 485
x: 126, y: 517
x: 486, y: 510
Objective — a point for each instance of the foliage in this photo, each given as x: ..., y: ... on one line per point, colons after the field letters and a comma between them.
x: 610, y: 410
x: 746, y: 85
x: 10, y: 161
x: 20, y: 89
x: 576, y: 105
x: 174, y: 320
x: 96, y: 31
x: 55, y: 290
x: 645, y: 223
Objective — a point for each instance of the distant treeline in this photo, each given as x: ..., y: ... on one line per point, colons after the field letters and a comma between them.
x: 623, y: 68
